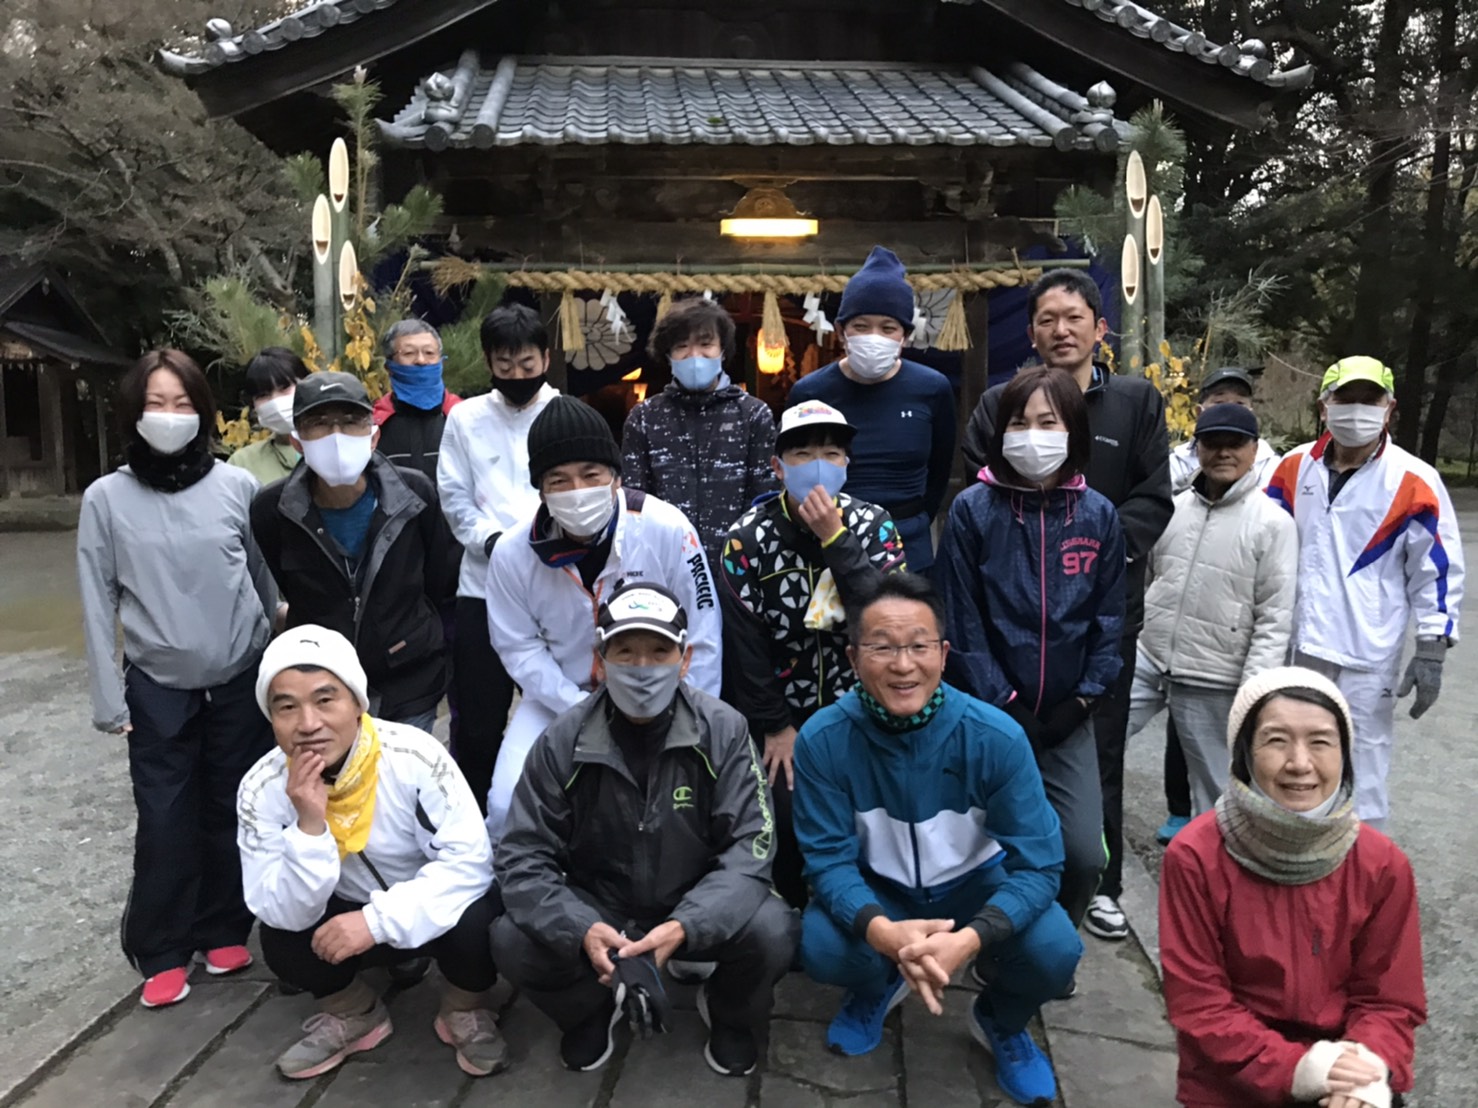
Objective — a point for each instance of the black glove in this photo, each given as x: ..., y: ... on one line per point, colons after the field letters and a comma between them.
x: 639, y: 991
x: 1063, y: 720
x: 1023, y: 715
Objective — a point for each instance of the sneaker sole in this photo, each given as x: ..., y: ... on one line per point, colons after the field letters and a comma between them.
x: 1113, y: 935
x: 978, y: 1034
x: 708, y: 1047
x: 219, y: 971
x: 166, y: 1003
x: 468, y: 1067
x: 897, y: 999
x: 616, y: 1017
x: 368, y: 1041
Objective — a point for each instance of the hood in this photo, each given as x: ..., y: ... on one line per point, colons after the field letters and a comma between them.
x: 1076, y: 483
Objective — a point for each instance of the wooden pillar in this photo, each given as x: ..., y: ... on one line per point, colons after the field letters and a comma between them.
x: 102, y: 416
x: 974, y: 376
x: 4, y: 443
x: 51, y: 418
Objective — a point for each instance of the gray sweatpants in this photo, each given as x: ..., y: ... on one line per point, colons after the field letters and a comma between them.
x: 1200, y: 714
x: 1070, y: 777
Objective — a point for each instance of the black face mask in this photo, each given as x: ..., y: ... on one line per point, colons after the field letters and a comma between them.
x: 518, y: 391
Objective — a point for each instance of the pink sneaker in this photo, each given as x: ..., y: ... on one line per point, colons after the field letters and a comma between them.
x: 164, y: 989
x: 227, y: 959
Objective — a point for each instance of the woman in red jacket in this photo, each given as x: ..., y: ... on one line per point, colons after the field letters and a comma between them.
x: 1289, y: 933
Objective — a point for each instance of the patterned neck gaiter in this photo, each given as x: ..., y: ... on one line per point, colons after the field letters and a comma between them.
x: 898, y: 724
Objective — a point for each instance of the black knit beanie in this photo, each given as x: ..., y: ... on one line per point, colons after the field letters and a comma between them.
x: 569, y: 430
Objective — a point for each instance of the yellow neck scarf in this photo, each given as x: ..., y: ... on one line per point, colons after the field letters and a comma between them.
x: 351, y: 798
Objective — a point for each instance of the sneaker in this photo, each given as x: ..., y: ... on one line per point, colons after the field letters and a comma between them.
x: 226, y: 959
x: 1105, y: 919
x: 1070, y: 990
x: 331, y: 1039
x: 164, y: 989
x: 588, y: 1045
x: 407, y: 973
x: 1022, y: 1070
x: 689, y: 973
x: 1170, y: 828
x: 474, y: 1035
x: 730, y: 1051
x: 858, y: 1027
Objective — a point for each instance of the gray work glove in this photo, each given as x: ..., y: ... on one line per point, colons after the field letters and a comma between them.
x: 1424, y: 674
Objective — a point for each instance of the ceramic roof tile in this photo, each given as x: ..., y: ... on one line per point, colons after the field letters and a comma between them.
x: 549, y: 101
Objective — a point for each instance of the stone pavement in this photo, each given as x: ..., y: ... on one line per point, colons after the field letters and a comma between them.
x: 1110, y: 1043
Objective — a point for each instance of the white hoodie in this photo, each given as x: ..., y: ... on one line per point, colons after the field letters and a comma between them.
x: 541, y: 620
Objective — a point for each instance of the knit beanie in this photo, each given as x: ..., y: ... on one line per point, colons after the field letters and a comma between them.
x: 878, y: 288
x: 318, y: 647
x: 1270, y: 681
x: 569, y: 430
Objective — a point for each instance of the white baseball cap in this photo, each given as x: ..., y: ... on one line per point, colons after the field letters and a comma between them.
x: 812, y: 413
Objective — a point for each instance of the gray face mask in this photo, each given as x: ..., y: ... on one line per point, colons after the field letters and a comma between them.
x: 643, y: 692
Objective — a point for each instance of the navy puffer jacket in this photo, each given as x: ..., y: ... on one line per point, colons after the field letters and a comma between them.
x: 1033, y: 586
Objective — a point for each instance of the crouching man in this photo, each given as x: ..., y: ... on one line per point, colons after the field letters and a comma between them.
x: 929, y: 843
x: 641, y: 828
x: 361, y: 845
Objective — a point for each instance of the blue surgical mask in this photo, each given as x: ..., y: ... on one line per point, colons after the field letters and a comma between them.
x: 420, y: 386
x: 698, y: 373
x: 801, y: 479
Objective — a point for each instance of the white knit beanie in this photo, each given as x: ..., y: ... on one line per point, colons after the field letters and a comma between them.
x: 1275, y: 680
x: 318, y: 647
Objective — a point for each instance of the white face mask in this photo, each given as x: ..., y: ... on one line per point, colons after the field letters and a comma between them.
x: 1035, y: 455
x: 276, y: 414
x: 872, y: 357
x: 1355, y: 425
x: 168, y: 432
x: 582, y: 513
x: 337, y: 458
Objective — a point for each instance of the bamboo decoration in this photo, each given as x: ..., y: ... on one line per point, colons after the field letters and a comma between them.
x: 571, y: 329
x: 348, y: 281
x: 1154, y: 279
x: 772, y: 323
x: 1136, y: 192
x: 338, y: 200
x: 323, y: 274
x: 955, y: 334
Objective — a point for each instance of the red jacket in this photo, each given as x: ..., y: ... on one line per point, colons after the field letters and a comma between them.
x: 1257, y: 972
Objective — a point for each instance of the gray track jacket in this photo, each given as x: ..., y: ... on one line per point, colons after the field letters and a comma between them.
x: 698, y: 851
x: 182, y: 573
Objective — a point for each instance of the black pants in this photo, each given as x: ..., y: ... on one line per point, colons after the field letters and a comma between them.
x: 1177, y: 774
x: 484, y: 693
x: 788, y: 864
x: 740, y: 992
x: 187, y: 753
x: 1111, y: 730
x: 461, y: 954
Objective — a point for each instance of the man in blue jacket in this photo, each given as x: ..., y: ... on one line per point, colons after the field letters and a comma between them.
x: 928, y: 842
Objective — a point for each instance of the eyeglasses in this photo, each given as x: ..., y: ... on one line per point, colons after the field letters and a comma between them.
x: 350, y: 423
x: 886, y: 652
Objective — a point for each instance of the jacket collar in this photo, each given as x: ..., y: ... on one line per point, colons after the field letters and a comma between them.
x: 922, y: 741
x: 394, y: 495
x: 726, y: 390
x: 1076, y: 483
x: 1240, y: 488
x: 597, y: 745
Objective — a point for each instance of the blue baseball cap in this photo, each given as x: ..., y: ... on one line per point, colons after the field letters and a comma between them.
x: 1237, y: 419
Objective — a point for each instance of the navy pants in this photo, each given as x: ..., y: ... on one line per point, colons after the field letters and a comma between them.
x: 187, y: 753
x: 1028, y: 969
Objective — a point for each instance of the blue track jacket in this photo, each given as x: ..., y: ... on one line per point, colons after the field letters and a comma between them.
x: 1033, y: 588
x: 924, y: 810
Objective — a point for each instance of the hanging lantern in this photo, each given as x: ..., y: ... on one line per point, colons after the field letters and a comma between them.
x: 770, y: 357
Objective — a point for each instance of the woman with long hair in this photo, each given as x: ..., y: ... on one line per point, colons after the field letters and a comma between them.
x: 1032, y: 571
x: 164, y: 546
x: 1289, y: 931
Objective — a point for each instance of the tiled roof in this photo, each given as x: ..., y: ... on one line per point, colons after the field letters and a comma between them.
x: 1248, y: 59
x: 556, y: 101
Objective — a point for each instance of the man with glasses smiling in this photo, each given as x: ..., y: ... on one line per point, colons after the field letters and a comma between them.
x: 928, y: 843
x: 360, y: 545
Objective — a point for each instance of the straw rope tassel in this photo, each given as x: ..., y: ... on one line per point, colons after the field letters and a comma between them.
x: 571, y: 330
x: 955, y: 334
x: 664, y: 304
x: 772, y: 323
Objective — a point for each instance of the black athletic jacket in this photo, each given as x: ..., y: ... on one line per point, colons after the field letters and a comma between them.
x: 389, y: 608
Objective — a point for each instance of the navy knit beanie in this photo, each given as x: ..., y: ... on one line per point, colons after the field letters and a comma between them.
x: 878, y: 288
x: 569, y: 430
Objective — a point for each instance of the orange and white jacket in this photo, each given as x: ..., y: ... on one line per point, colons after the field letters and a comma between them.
x: 1385, y: 550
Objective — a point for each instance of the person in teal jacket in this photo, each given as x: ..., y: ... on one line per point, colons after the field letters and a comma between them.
x: 928, y: 842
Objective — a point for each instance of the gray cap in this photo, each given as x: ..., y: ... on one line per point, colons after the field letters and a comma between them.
x: 1227, y: 375
x: 318, y: 390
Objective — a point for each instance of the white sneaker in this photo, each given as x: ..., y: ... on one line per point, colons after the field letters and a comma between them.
x: 1105, y: 919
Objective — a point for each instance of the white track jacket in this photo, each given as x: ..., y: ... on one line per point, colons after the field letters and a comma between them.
x: 482, y: 476
x: 541, y: 620
x: 1385, y: 550
x: 427, y: 843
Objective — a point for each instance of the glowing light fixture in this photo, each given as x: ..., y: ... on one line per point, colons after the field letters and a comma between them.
x: 767, y: 213
x: 634, y: 375
x: 770, y: 357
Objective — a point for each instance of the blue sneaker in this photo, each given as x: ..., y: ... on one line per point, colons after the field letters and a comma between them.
x: 1022, y: 1070
x: 1170, y: 828
x: 858, y: 1027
